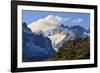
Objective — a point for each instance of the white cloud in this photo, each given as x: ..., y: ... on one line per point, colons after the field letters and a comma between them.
x: 61, y: 20
x: 77, y: 21
x: 46, y: 23
x: 50, y: 19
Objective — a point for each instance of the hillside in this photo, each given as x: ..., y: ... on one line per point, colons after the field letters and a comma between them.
x: 73, y: 50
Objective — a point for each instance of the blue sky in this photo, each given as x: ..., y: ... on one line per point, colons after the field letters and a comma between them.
x: 82, y: 19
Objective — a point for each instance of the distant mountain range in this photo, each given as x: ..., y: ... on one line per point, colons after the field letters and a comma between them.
x: 79, y: 31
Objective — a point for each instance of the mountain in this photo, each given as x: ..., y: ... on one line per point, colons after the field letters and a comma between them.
x: 58, y: 33
x: 79, y: 30
x: 48, y: 25
x: 63, y: 26
x: 35, y: 47
x: 47, y: 29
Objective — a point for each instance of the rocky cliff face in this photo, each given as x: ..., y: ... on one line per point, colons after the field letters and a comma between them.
x: 36, y: 47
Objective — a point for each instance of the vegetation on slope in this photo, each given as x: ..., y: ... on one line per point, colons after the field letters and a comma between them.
x: 73, y: 50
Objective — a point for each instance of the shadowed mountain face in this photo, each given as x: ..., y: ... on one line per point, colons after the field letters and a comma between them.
x: 79, y: 31
x: 36, y: 47
x: 63, y: 26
